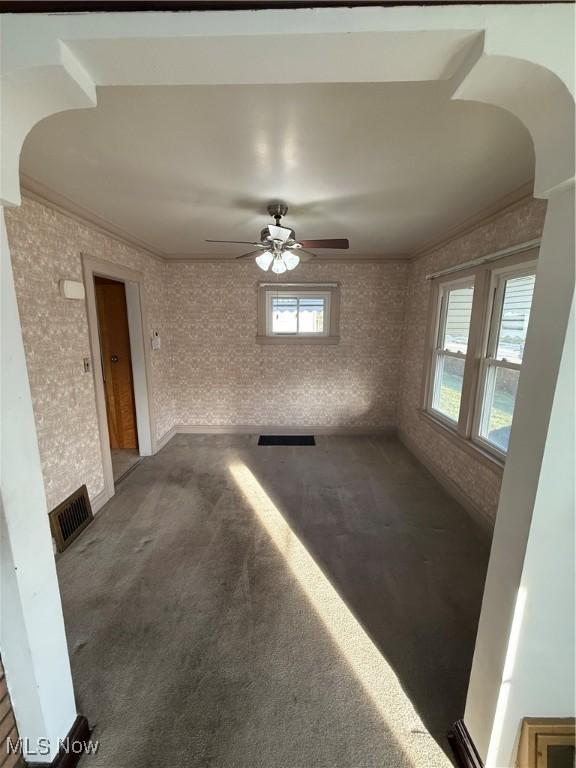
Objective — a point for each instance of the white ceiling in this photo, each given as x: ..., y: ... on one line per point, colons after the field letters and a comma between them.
x: 389, y: 165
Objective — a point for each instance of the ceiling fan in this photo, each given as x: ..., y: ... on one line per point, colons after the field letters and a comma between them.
x: 278, y: 247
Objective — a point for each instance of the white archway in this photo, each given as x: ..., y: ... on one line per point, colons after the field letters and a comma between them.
x: 55, y: 62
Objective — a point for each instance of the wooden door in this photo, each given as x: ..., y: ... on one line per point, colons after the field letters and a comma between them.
x: 116, y: 362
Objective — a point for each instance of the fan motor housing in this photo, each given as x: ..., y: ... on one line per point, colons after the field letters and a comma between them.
x: 277, y: 208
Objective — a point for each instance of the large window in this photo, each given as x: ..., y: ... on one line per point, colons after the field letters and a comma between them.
x: 480, y: 326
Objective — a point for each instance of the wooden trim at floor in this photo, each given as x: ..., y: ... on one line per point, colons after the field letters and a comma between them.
x: 463, y: 747
x: 80, y: 732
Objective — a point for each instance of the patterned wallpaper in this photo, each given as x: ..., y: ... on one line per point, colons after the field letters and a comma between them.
x: 211, y: 371
x: 222, y: 376
x: 480, y: 483
x: 46, y: 246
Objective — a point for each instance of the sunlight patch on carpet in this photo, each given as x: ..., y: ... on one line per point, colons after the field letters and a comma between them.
x: 369, y: 666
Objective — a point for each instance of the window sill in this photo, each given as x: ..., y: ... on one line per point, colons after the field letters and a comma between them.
x: 298, y: 340
x: 474, y: 450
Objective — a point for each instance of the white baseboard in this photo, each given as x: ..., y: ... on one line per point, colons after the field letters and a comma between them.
x: 447, y: 483
x: 160, y: 442
x: 267, y: 429
x: 99, y: 500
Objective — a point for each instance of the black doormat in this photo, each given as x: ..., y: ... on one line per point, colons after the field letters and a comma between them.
x: 286, y: 440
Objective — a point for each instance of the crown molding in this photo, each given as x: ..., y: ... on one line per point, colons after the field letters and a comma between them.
x: 36, y: 190
x: 39, y: 192
x: 493, y: 211
x: 206, y: 259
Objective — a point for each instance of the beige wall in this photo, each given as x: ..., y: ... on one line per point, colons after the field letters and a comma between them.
x: 477, y: 481
x: 221, y: 376
x: 46, y: 246
x: 211, y: 372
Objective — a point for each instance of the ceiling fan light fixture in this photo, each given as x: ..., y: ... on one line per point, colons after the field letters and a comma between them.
x: 278, y: 244
x: 278, y: 265
x: 264, y: 260
x: 291, y: 259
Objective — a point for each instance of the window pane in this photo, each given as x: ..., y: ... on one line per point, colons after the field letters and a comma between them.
x: 284, y: 314
x: 448, y: 386
x: 454, y: 336
x: 498, y: 406
x: 311, y: 315
x: 515, y: 315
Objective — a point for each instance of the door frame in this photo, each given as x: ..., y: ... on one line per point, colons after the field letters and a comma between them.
x: 140, y: 359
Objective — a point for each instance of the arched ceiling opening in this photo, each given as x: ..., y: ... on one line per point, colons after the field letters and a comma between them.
x: 391, y: 166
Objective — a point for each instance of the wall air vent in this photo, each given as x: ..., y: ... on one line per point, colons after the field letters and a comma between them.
x: 68, y: 519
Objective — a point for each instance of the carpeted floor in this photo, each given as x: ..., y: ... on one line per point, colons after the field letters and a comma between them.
x: 204, y: 630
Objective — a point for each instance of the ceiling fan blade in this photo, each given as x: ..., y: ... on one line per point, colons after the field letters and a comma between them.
x: 279, y: 233
x: 239, y: 242
x: 247, y: 255
x: 338, y: 243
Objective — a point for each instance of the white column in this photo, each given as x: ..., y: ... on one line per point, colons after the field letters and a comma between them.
x: 32, y: 638
x: 524, y: 656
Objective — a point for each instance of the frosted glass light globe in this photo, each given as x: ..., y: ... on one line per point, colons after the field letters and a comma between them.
x: 278, y: 266
x: 291, y: 260
x: 264, y: 260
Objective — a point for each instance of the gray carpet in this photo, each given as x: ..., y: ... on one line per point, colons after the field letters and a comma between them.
x: 199, y: 639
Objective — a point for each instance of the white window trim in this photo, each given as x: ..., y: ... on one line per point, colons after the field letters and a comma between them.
x: 271, y: 294
x: 466, y: 432
x: 331, y: 333
x: 440, y: 317
x: 489, y: 361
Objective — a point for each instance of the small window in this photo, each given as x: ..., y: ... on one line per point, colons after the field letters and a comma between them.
x: 512, y: 292
x: 451, y: 347
x: 298, y: 313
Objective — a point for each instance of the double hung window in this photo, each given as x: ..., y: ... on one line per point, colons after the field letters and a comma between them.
x: 480, y: 323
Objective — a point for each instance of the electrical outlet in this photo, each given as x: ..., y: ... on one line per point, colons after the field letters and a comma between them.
x: 86, y: 365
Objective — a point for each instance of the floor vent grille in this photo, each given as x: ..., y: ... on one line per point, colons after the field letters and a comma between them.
x: 286, y: 440
x: 70, y: 518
